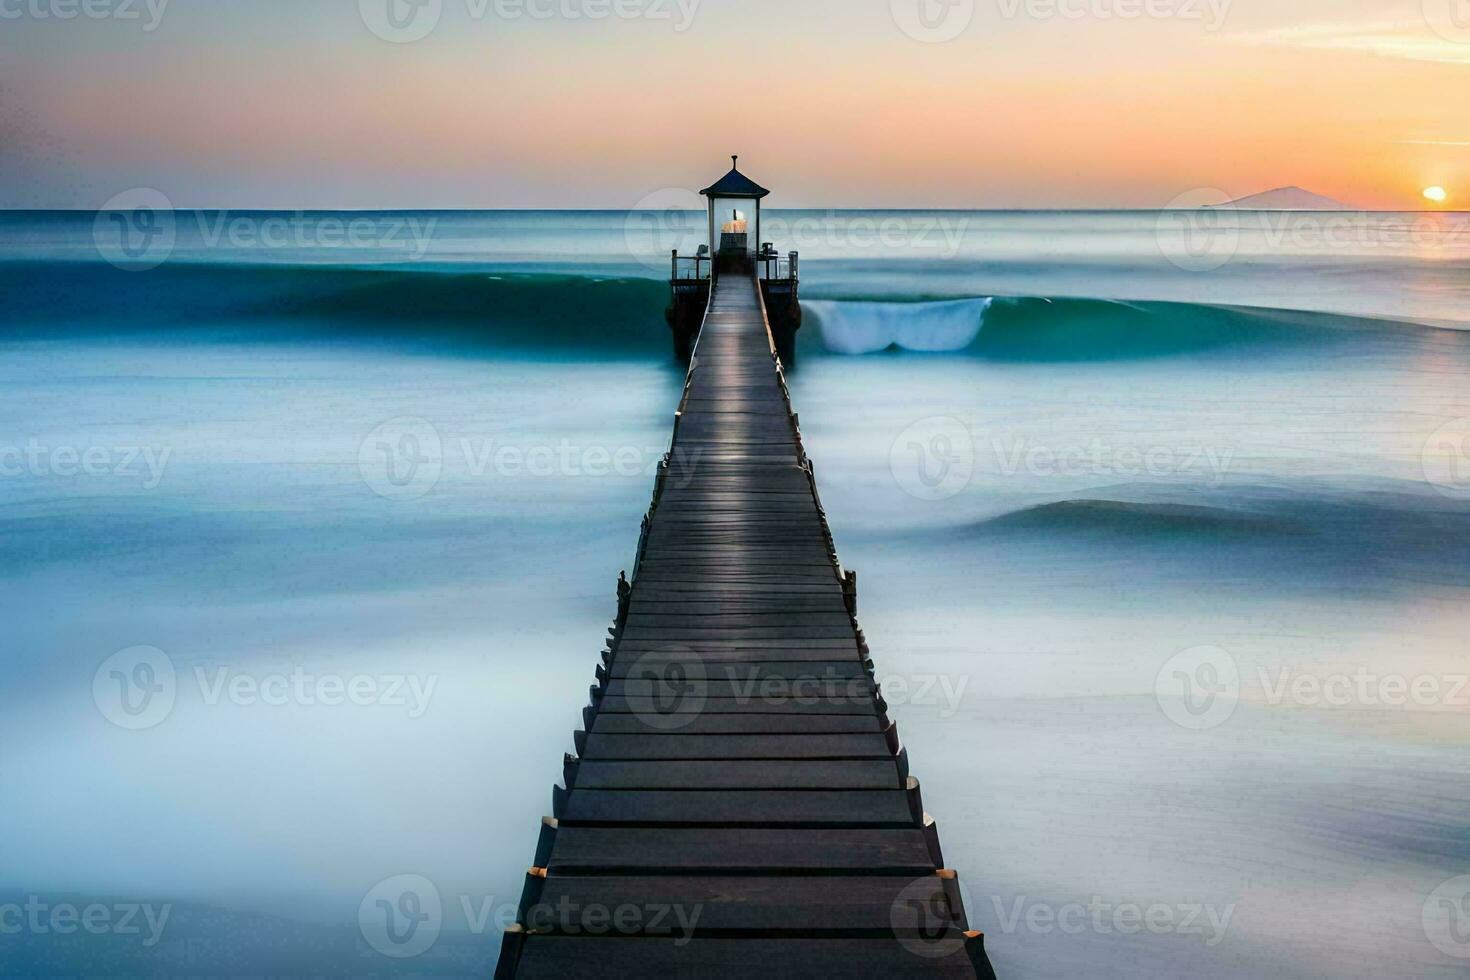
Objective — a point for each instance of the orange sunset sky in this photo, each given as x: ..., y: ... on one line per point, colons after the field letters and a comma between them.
x: 832, y: 103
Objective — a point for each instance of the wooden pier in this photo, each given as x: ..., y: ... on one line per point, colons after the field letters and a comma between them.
x: 740, y: 804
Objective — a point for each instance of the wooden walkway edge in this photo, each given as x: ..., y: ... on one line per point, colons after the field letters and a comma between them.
x: 740, y: 804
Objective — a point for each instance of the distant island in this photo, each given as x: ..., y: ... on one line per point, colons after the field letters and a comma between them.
x: 1287, y: 199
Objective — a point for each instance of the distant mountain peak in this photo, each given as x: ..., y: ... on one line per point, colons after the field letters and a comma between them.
x: 1288, y: 199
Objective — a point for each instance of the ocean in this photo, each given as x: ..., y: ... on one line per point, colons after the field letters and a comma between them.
x: 312, y: 524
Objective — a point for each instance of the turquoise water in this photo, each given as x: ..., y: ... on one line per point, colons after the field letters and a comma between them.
x: 1057, y: 479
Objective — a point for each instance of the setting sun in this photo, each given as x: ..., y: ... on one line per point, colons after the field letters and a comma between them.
x: 1436, y: 194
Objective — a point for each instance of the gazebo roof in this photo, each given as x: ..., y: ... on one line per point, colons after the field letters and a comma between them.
x: 735, y: 184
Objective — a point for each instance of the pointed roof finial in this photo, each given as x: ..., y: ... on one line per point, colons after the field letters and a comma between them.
x: 735, y: 184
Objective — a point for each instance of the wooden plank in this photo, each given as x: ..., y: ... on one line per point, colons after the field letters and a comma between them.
x: 741, y: 620
x: 830, y: 643
x: 679, y: 745
x: 582, y: 850
x: 752, y: 693
x: 740, y: 774
x: 713, y: 658
x: 659, y: 667
x: 777, y: 903
x: 563, y: 957
x: 836, y: 704
x: 780, y: 602
x: 707, y: 724
x: 771, y: 808
x: 692, y: 635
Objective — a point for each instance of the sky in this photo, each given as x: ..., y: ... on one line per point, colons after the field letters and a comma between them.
x: 831, y: 103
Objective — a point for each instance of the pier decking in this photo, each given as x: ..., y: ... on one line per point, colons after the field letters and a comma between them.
x: 739, y: 805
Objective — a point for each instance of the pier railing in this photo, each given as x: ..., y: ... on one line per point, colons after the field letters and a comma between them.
x: 690, y: 268
x: 770, y: 266
x: 775, y: 267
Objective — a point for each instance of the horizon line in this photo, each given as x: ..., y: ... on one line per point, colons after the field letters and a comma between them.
x: 955, y: 210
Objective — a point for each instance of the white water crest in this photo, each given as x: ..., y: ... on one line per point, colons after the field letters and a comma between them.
x: 855, y: 327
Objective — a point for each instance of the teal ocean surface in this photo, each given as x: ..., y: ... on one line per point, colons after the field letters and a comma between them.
x: 1162, y: 522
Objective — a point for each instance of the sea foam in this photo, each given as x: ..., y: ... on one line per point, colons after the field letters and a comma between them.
x: 864, y: 327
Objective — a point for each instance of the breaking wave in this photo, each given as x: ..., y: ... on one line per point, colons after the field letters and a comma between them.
x: 859, y: 327
x: 606, y: 316
x: 1034, y: 329
x: 544, y: 312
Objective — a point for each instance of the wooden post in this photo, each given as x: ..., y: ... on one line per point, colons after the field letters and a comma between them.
x: 675, y: 276
x: 755, y: 231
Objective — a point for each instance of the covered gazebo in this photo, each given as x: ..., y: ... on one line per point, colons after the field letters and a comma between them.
x: 734, y: 214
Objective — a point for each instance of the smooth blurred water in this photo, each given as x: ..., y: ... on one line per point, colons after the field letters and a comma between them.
x: 1057, y: 777
x: 1044, y: 516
